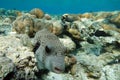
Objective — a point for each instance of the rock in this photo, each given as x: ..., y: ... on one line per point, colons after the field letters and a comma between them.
x: 91, y: 48
x: 110, y: 27
x: 2, y: 11
x: 69, y: 18
x: 92, y: 66
x: 98, y: 68
x: 70, y: 60
x: 68, y: 43
x: 115, y: 19
x: 102, y: 15
x: 12, y: 18
x: 12, y: 13
x: 19, y: 13
x: 57, y: 27
x: 53, y: 76
x: 7, y: 68
x: 14, y: 48
x: 75, y: 33
x: 108, y: 39
x: 110, y: 58
x: 26, y: 66
x: 47, y: 17
x: 87, y: 15
x: 109, y: 74
x: 112, y: 72
x: 78, y: 25
x: 37, y: 12
x: 81, y: 29
x: 5, y: 29
x: 25, y: 40
x: 7, y: 21
x: 5, y: 26
x: 21, y: 56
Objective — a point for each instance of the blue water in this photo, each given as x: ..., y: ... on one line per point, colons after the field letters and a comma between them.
x: 62, y: 6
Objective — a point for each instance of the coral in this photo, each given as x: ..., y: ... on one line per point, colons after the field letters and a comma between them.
x: 75, y: 33
x: 12, y: 18
x: 40, y: 24
x: 19, y: 13
x: 20, y: 55
x: 47, y: 17
x: 28, y: 24
x: 7, y: 21
x: 68, y: 43
x: 110, y: 27
x: 24, y: 24
x: 11, y: 13
x: 103, y: 15
x: 86, y: 15
x: 69, y: 17
x: 57, y: 27
x: 37, y: 12
x: 70, y: 62
x: 7, y: 67
x: 25, y: 40
x: 115, y: 19
x: 2, y: 11
x: 5, y: 26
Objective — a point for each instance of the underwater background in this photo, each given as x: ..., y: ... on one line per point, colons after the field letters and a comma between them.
x: 60, y: 40
x: 62, y: 6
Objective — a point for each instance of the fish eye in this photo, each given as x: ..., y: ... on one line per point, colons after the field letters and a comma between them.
x: 36, y: 47
x: 47, y: 49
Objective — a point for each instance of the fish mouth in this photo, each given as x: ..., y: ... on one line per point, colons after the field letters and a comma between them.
x: 57, y: 70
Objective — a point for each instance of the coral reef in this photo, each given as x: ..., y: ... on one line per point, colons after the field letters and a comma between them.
x: 92, y: 41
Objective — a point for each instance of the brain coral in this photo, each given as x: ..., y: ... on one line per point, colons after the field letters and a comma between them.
x: 37, y: 12
x: 24, y: 24
x: 28, y: 24
x: 40, y: 24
